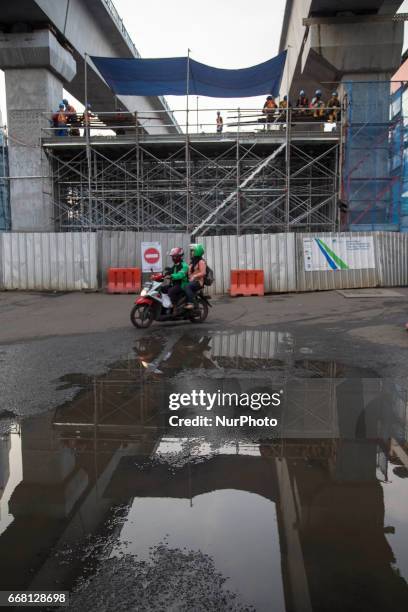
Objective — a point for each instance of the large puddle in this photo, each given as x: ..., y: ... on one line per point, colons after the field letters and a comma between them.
x: 104, y: 498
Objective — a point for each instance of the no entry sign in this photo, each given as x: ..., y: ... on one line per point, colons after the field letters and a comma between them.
x: 151, y: 257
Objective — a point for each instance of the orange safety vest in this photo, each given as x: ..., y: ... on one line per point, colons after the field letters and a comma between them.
x: 61, y: 118
x: 270, y: 104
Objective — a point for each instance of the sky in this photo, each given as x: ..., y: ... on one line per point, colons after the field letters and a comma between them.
x: 224, y: 34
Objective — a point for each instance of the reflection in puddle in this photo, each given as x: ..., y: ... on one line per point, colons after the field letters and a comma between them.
x: 104, y: 497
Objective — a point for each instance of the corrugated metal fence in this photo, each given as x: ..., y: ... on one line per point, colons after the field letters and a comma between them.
x: 393, y: 259
x: 123, y: 249
x: 77, y: 261
x: 273, y: 253
x: 384, y: 262
x: 48, y: 261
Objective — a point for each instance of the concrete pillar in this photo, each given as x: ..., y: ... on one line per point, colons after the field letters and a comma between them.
x: 36, y: 67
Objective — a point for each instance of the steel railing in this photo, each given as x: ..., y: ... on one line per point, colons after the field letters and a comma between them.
x: 242, y: 121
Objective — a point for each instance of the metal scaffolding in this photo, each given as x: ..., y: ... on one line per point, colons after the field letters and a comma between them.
x: 251, y: 178
x: 374, y: 162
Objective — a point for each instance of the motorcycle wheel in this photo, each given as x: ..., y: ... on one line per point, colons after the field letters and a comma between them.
x: 200, y: 312
x: 142, y: 316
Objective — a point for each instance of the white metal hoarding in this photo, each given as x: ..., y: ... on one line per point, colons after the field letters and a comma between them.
x: 272, y: 253
x: 49, y: 261
x: 123, y: 249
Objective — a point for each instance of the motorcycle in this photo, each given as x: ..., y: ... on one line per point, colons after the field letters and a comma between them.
x: 154, y: 304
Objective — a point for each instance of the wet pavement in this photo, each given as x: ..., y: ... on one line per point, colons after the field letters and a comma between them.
x: 102, y: 496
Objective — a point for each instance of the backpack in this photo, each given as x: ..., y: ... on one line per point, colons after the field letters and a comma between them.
x: 209, y: 277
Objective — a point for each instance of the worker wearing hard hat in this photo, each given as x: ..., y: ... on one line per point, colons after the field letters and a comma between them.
x: 284, y: 104
x: 269, y: 109
x: 60, y: 120
x: 72, y: 118
x: 333, y: 108
x: 317, y: 105
x: 302, y: 104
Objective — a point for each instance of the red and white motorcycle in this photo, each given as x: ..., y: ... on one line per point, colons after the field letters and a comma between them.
x: 154, y: 304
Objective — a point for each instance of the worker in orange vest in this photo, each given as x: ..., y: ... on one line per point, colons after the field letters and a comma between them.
x: 302, y: 104
x: 72, y: 118
x: 60, y: 121
x: 269, y: 109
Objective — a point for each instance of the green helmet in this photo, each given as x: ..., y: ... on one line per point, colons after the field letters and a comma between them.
x: 197, y: 250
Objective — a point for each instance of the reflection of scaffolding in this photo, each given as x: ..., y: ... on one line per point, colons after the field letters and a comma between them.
x: 228, y: 184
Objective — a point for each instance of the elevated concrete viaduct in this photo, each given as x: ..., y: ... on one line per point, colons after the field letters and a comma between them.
x: 43, y: 46
x: 353, y: 46
x: 330, y: 42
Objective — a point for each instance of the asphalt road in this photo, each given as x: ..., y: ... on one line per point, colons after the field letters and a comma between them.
x: 44, y: 338
x: 128, y: 514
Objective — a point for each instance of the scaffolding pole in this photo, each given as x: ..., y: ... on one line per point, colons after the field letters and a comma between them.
x: 188, y: 185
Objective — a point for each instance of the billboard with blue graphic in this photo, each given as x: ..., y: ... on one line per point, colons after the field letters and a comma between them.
x: 338, y: 253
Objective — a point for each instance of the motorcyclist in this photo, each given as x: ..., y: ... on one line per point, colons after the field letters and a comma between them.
x: 178, y: 275
x: 196, y: 274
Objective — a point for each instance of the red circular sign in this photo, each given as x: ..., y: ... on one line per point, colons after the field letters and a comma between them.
x: 152, y: 255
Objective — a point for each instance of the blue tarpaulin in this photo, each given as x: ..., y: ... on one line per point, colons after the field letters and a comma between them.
x: 168, y: 76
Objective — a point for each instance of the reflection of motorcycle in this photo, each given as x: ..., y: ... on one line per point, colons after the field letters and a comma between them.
x: 172, y: 354
x: 154, y: 304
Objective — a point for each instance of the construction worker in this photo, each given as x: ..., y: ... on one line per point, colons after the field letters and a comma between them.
x: 269, y: 109
x: 302, y: 102
x: 302, y: 105
x: 317, y: 105
x: 333, y: 108
x: 72, y: 118
x: 220, y: 123
x: 284, y: 104
x: 60, y: 120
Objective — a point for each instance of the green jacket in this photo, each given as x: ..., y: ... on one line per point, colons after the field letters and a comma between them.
x: 180, y: 274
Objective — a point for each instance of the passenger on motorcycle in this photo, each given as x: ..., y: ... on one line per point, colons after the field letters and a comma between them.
x: 196, y: 274
x: 178, y: 275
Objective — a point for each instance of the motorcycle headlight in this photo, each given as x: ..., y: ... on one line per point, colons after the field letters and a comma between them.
x: 143, y: 292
